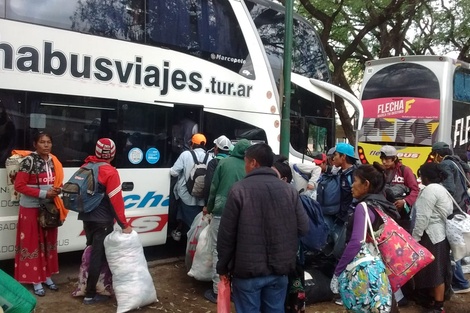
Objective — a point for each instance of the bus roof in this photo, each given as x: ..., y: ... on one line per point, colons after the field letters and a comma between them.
x: 416, y: 58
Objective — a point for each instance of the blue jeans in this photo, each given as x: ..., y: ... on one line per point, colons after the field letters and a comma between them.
x: 458, y: 280
x: 260, y: 294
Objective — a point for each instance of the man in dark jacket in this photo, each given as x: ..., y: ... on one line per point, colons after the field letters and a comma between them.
x: 258, y: 235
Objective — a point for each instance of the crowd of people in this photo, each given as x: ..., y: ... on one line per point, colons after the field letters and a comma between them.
x: 257, y: 219
x: 259, y: 251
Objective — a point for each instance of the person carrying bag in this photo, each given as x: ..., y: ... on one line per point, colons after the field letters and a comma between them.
x: 360, y: 276
x: 364, y: 285
x: 38, y: 180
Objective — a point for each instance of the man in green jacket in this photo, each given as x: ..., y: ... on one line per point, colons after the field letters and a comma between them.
x: 229, y: 171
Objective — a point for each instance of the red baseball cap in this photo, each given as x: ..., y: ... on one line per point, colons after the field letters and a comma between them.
x: 319, y: 158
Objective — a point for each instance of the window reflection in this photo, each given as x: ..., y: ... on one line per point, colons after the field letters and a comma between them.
x: 308, y: 58
x: 207, y: 29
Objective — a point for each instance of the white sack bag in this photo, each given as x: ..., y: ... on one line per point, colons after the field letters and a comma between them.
x: 201, y: 268
x: 132, y: 282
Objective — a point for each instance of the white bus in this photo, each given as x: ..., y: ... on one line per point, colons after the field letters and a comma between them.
x: 130, y: 70
x: 412, y: 102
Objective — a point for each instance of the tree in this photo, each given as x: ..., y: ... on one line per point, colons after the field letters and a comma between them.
x: 354, y: 31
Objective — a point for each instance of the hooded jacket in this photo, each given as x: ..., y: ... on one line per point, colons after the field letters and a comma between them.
x: 455, y: 182
x: 229, y: 171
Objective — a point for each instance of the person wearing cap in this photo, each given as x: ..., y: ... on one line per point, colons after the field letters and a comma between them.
x: 345, y: 159
x: 398, y: 174
x: 221, y: 150
x: 188, y: 206
x: 454, y: 167
x: 229, y: 171
x: 99, y: 223
x: 331, y: 168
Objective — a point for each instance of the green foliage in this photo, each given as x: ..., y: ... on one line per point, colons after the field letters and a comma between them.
x: 354, y: 31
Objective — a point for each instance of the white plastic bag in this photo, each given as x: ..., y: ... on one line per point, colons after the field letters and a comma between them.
x: 199, y: 223
x: 202, y: 262
x: 132, y: 282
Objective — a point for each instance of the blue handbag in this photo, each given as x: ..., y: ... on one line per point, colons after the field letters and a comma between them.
x: 364, y: 285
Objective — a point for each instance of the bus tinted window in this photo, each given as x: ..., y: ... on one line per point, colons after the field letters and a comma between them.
x: 12, y: 121
x: 402, y: 80
x: 50, y: 13
x: 207, y: 29
x: 462, y: 85
x: 308, y: 57
x: 203, y: 28
x: 143, y: 136
x: 76, y: 123
x: 216, y: 125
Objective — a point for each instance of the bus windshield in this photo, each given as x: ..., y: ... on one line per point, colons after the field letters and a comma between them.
x: 312, y: 117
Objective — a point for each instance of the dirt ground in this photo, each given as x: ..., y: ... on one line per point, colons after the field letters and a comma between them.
x: 178, y: 292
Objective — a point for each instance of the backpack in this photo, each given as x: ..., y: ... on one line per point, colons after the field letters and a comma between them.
x: 329, y: 190
x: 316, y: 238
x: 81, y: 193
x: 195, y: 183
x: 12, y: 166
x: 329, y: 193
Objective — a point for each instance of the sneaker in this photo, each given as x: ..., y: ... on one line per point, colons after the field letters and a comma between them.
x: 95, y: 299
x: 176, y: 235
x: 458, y: 290
x: 339, y: 301
x: 210, y: 295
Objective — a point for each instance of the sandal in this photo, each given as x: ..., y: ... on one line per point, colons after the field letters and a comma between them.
x: 39, y: 292
x: 52, y: 287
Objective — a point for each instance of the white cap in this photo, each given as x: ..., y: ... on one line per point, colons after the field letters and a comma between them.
x: 223, y: 143
x: 388, y: 151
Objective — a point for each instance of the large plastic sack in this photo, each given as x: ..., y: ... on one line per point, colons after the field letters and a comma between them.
x: 105, y: 281
x: 199, y: 223
x: 132, y: 282
x: 14, y: 298
x: 202, y: 262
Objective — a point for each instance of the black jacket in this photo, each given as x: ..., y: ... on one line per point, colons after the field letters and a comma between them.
x: 260, y: 227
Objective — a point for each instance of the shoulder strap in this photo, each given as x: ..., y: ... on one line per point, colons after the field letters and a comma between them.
x: 461, y: 172
x: 455, y: 203
x: 205, y: 158
x: 196, y: 161
x: 297, y: 170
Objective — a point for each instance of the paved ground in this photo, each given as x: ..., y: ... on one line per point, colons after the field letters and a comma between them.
x: 179, y: 293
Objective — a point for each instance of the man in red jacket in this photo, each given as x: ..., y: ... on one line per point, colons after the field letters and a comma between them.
x: 99, y: 222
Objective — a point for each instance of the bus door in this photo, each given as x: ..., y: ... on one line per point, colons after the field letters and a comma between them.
x: 187, y: 120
